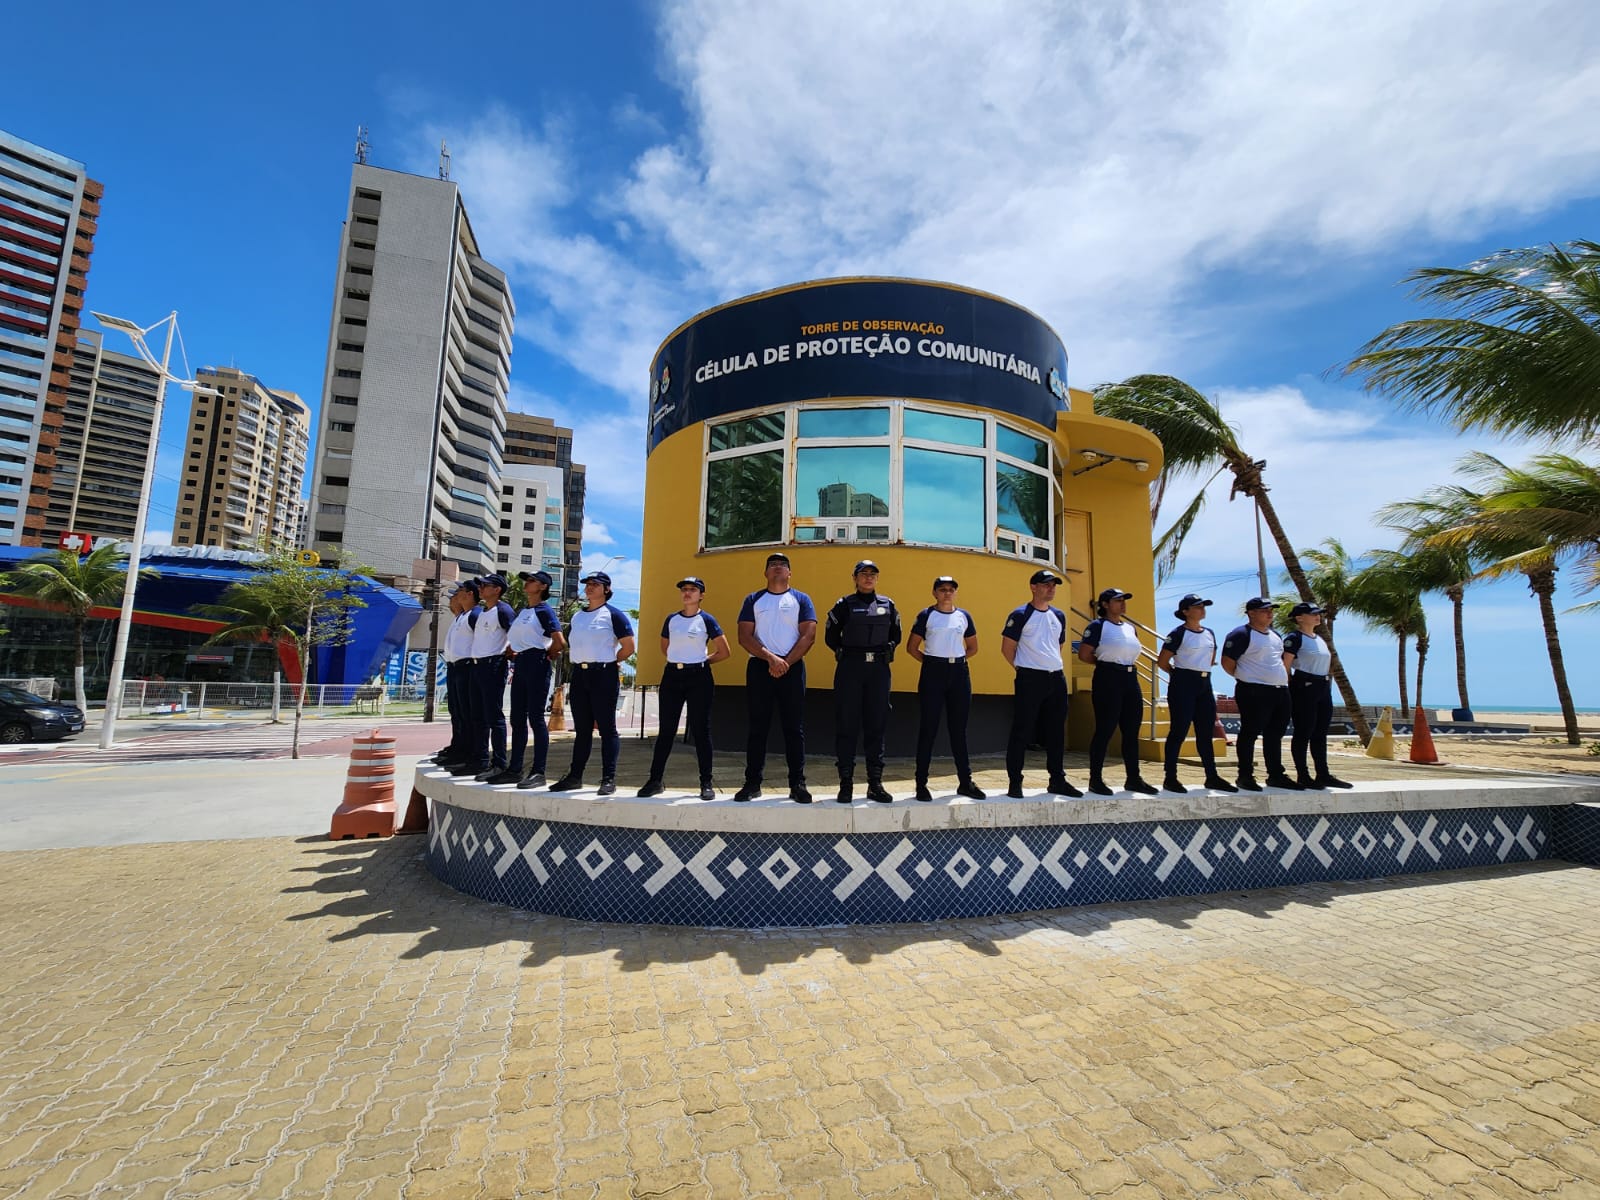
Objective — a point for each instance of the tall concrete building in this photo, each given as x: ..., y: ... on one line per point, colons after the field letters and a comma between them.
x: 48, y: 212
x: 412, y: 431
x: 539, y: 441
x: 532, y: 530
x: 244, y: 463
x: 105, y: 442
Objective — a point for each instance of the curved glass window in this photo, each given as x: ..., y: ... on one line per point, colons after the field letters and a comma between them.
x: 744, y: 499
x: 891, y: 470
x: 943, y: 498
x: 843, y: 423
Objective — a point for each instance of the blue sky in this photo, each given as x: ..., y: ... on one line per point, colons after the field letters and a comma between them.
x: 1227, y: 192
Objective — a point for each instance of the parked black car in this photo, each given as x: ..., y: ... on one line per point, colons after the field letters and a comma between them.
x: 25, y: 717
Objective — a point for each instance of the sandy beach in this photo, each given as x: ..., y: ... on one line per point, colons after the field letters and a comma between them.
x: 1543, y: 749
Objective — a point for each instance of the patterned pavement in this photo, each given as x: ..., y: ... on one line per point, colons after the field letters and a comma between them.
x: 304, y: 1018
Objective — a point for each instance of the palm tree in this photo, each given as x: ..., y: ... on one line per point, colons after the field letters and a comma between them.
x: 62, y: 581
x: 1330, y: 575
x: 1387, y: 595
x: 1527, y: 520
x: 1441, y: 568
x: 1194, y: 438
x: 1519, y: 351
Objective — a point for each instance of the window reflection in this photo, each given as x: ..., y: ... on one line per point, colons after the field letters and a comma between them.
x: 842, y: 481
x: 744, y: 499
x: 752, y: 431
x: 943, y: 498
x: 1022, y: 501
x: 1020, y: 445
x: 941, y: 427
x: 844, y: 422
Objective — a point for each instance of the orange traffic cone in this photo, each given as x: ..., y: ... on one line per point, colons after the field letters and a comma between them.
x: 368, y: 806
x: 416, y: 814
x: 1219, y: 734
x: 1422, y: 750
x: 558, y: 715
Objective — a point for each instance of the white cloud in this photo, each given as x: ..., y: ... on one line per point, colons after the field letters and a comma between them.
x: 596, y: 534
x: 158, y: 537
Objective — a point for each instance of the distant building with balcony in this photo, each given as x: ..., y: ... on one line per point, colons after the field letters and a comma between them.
x: 105, y: 436
x: 244, y: 463
x: 48, y: 213
x: 842, y: 500
x: 539, y: 441
x: 411, y: 436
x: 532, y: 524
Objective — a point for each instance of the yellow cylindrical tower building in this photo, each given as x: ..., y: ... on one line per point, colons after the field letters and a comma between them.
x: 925, y: 426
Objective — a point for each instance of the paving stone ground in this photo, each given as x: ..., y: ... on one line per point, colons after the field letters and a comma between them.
x: 303, y: 1018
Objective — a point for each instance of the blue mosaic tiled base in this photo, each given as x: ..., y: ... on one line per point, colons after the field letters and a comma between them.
x: 1576, y: 836
x: 637, y: 876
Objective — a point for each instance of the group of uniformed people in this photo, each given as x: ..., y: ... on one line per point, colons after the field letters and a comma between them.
x: 1276, y: 679
x: 487, y: 638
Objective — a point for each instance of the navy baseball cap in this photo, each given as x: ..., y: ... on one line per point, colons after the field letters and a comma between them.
x: 1258, y: 602
x: 941, y: 580
x: 599, y: 577
x: 494, y: 581
x: 1190, y: 600
x: 468, y: 585
x: 1045, y: 576
x: 543, y: 577
x: 1304, y: 610
x: 775, y: 557
x: 691, y: 581
x: 1115, y: 594
x: 866, y: 564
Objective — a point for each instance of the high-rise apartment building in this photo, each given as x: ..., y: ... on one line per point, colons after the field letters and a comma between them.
x: 48, y: 212
x: 532, y: 531
x: 244, y: 463
x: 539, y: 441
x: 412, y: 431
x: 105, y: 442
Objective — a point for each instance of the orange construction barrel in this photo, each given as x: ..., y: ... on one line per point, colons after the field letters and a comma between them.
x: 368, y: 806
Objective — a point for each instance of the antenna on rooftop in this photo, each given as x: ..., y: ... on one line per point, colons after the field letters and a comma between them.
x: 444, y: 160
x: 362, y: 143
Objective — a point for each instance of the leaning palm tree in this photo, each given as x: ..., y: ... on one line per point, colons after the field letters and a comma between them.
x: 1195, y: 438
x: 1518, y: 352
x: 1330, y: 573
x: 60, y: 580
x: 1442, y: 568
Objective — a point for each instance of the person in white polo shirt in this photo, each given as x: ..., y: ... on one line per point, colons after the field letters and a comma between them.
x: 692, y: 641
x: 487, y: 755
x: 1111, y: 643
x: 943, y: 638
x: 777, y: 627
x: 1031, y: 643
x: 457, y: 663
x: 532, y: 643
x: 600, y: 637
x: 1253, y: 655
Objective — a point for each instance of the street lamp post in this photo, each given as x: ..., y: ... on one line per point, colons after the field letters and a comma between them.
x: 119, y: 654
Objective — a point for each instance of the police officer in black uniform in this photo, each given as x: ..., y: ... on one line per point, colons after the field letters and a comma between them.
x: 1310, y: 663
x: 862, y: 631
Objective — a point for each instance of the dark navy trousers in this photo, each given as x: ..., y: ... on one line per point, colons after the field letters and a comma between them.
x: 530, y: 688
x: 1311, y: 703
x: 944, y: 688
x: 1264, y: 714
x: 593, y: 692
x: 1039, y: 707
x: 861, y: 703
x: 687, y: 686
x: 1190, y: 701
x: 459, y: 706
x: 487, y: 688
x: 786, y: 696
x: 1118, y: 706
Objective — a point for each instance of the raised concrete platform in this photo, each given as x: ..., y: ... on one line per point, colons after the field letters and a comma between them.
x: 679, y: 861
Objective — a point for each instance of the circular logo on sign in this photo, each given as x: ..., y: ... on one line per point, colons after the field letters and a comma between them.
x: 655, y: 390
x: 666, y: 380
x: 1058, y: 386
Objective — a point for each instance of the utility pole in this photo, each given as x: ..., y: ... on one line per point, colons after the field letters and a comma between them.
x: 431, y: 672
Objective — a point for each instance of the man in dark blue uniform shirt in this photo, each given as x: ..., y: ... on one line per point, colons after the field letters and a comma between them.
x: 862, y: 631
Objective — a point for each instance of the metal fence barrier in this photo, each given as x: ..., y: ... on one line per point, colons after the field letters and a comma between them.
x: 41, y: 686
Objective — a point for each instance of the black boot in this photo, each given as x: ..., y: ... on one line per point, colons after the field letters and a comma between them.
x: 1137, y: 784
x: 970, y: 790
x: 652, y: 787
x: 877, y: 793
x: 1171, y: 784
x: 1099, y: 786
x: 847, y: 790
x: 567, y: 783
x: 1217, y: 783
x: 608, y: 786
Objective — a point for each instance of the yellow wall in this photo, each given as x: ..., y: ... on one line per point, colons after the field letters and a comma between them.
x: 1114, y: 499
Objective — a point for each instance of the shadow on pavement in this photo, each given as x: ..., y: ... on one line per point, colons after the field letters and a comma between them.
x: 384, y: 888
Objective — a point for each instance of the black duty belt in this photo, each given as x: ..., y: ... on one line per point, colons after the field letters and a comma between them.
x: 594, y: 666
x: 1103, y: 666
x: 699, y: 666
x: 940, y: 658
x: 1193, y: 671
x: 488, y: 658
x: 864, y: 655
